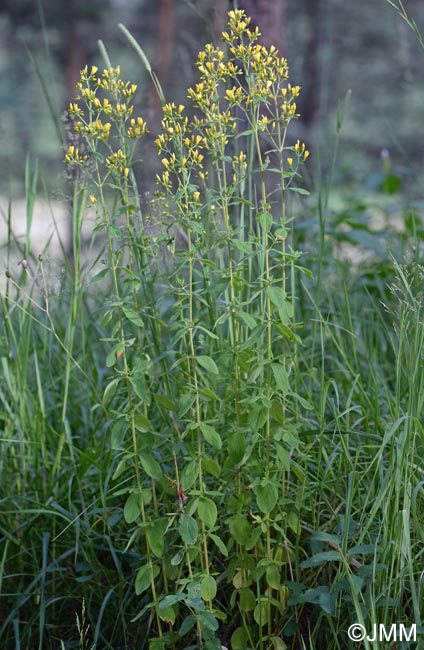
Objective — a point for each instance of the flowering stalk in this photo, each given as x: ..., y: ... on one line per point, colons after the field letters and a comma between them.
x: 107, y: 137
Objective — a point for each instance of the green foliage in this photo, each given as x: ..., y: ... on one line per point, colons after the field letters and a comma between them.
x: 207, y: 445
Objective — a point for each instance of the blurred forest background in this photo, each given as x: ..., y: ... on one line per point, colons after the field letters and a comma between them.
x: 331, y: 45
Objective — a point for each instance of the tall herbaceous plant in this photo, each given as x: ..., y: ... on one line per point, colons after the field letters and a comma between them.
x: 202, y: 340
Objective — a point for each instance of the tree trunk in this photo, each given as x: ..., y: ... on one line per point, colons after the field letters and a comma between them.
x: 309, y: 104
x: 270, y: 17
x: 165, y: 41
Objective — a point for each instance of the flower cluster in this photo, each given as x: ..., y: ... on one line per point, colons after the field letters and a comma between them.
x: 251, y: 81
x: 106, y: 117
x: 138, y: 128
x: 247, y: 86
x: 73, y: 155
x: 239, y: 166
x: 117, y: 162
x: 180, y: 148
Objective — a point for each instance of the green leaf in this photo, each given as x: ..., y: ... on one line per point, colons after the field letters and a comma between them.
x: 132, y: 508
x: 132, y: 316
x: 119, y: 430
x: 189, y: 474
x: 242, y: 246
x: 293, y: 522
x: 287, y: 333
x: 261, y: 611
x: 211, y: 467
x: 164, y: 401
x: 208, y: 364
x: 245, y: 359
x: 278, y: 297
x: 254, y: 538
x: 240, y: 529
x: 115, y: 232
x: 155, y: 534
x: 157, y: 644
x: 207, y: 621
x: 208, y: 588
x: 188, y: 529
x: 140, y: 388
x: 219, y: 543
x: 151, y: 466
x: 302, y: 401
x: 321, y: 558
x: 187, y: 625
x: 258, y: 416
x: 322, y: 536
x: 111, y: 357
x: 265, y: 220
x: 327, y: 602
x: 121, y: 467
x: 99, y: 276
x: 178, y: 557
x: 207, y: 511
x: 247, y: 319
x: 110, y: 390
x: 167, y: 614
x: 273, y: 577
x: 211, y: 435
x: 283, y: 456
x: 207, y: 332
x: 142, y: 423
x: 357, y: 581
x: 209, y: 393
x: 247, y: 600
x: 236, y: 447
x: 299, y: 190
x: 239, y: 639
x: 281, y: 233
x: 186, y: 402
x: 281, y: 377
x: 266, y: 496
x: 144, y: 578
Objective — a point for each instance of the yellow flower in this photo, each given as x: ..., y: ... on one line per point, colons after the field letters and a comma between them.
x: 74, y: 109
x: 73, y: 155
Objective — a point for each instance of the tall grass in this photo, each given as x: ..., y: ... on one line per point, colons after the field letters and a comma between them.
x: 214, y: 441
